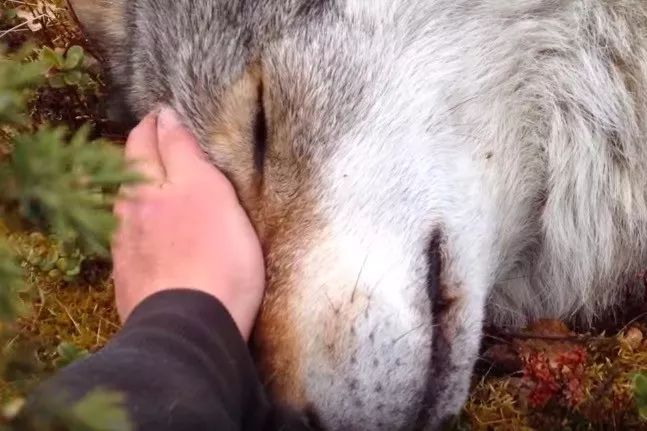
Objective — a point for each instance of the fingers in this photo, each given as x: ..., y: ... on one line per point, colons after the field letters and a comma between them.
x: 142, y: 150
x: 178, y: 149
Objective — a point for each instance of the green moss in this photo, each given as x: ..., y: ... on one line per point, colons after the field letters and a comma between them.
x: 80, y: 313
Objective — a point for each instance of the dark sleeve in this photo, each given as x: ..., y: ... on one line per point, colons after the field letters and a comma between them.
x: 181, y: 364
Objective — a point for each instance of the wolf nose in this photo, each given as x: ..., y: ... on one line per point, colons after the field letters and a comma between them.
x: 289, y: 419
x: 313, y: 420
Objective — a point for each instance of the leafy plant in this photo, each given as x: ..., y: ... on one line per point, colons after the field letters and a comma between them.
x: 17, y: 81
x: 97, y: 411
x: 100, y: 411
x: 66, y: 186
x: 56, y: 192
x: 55, y: 258
x: 68, y: 353
x: 66, y: 67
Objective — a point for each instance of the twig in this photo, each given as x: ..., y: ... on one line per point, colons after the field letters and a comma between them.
x: 22, y: 3
x: 76, y: 325
x: 632, y: 321
x: 22, y: 24
x: 522, y: 336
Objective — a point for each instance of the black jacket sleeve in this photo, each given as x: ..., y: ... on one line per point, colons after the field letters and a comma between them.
x: 181, y: 364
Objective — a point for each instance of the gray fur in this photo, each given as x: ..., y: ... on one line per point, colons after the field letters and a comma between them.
x: 517, y: 129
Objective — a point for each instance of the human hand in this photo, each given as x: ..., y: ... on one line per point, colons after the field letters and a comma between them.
x: 184, y: 228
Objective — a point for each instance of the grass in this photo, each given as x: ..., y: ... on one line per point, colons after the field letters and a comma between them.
x: 553, y: 379
x: 80, y: 313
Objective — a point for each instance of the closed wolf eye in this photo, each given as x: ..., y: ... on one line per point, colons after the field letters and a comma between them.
x: 260, y: 132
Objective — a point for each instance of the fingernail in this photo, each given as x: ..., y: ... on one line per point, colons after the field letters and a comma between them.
x: 168, y: 119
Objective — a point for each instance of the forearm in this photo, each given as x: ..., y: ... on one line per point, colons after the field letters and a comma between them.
x: 181, y: 365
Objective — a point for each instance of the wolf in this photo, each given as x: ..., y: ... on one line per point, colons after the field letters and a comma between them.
x: 415, y: 169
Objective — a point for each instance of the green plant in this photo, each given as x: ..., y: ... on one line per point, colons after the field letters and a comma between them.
x: 8, y: 16
x: 66, y: 67
x: 18, y: 78
x: 640, y: 393
x: 68, y: 353
x: 56, y: 192
x: 57, y: 259
x: 97, y: 411
x: 65, y: 186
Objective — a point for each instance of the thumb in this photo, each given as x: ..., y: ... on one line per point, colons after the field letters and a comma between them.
x: 178, y: 148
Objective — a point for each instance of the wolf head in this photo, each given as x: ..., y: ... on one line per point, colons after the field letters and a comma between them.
x: 399, y: 160
x: 328, y: 118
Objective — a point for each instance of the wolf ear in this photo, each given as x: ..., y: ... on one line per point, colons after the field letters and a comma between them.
x: 103, y: 21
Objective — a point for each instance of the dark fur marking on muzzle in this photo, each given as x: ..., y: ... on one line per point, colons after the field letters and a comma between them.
x: 440, y: 346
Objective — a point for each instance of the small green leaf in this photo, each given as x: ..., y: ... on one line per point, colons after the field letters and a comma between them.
x: 57, y: 81
x: 99, y: 410
x: 74, y: 57
x: 51, y: 57
x: 73, y: 77
x: 640, y: 393
x: 10, y: 14
x: 102, y: 411
x: 68, y: 353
